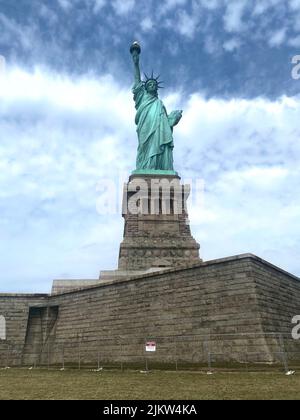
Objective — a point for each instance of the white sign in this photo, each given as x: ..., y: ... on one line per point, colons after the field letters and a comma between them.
x: 151, y: 346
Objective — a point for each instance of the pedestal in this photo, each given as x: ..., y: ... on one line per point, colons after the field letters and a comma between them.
x: 157, y: 233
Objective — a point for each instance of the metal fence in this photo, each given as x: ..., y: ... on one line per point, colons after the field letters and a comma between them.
x: 243, y: 351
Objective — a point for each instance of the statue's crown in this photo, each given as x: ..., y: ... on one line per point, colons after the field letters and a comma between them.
x: 153, y: 78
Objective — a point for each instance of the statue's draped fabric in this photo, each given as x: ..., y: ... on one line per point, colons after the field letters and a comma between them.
x: 155, y: 150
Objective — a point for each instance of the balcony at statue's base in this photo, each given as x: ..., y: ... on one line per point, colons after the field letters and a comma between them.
x: 154, y: 172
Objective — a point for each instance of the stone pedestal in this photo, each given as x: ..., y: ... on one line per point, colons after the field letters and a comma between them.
x: 157, y: 234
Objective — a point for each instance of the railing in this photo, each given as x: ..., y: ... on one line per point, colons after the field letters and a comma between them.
x: 243, y: 351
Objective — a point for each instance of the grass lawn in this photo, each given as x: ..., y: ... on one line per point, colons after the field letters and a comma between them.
x: 72, y: 384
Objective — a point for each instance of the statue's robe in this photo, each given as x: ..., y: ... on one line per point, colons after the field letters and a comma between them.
x: 155, y: 149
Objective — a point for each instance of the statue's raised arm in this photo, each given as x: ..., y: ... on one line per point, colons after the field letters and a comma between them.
x: 135, y: 51
x: 154, y: 125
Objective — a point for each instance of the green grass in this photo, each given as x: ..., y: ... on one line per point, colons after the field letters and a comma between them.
x: 72, y: 384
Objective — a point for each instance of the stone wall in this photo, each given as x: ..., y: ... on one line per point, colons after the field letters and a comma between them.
x: 278, y: 297
x: 224, y: 307
x: 15, y: 309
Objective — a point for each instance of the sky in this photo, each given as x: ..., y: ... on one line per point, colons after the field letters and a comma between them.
x: 67, y: 124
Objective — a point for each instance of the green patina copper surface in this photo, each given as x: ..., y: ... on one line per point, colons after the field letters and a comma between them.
x: 154, y: 172
x: 154, y: 125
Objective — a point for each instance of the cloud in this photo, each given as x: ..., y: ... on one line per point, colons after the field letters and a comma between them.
x: 262, y: 6
x: 187, y: 24
x: 16, y: 34
x: 147, y: 24
x: 66, y: 5
x: 169, y: 5
x: 278, y: 37
x: 209, y: 4
x: 294, y: 5
x: 98, y: 5
x: 123, y: 7
x: 233, y: 18
x: 232, y: 45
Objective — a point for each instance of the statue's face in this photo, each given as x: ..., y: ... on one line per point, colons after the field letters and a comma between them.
x: 151, y: 86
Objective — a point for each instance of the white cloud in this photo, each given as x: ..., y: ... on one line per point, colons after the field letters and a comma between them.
x: 98, y: 5
x: 15, y: 33
x: 294, y: 5
x: 123, y: 7
x: 233, y: 18
x: 147, y: 24
x: 278, y: 37
x: 232, y: 44
x: 187, y: 24
x: 48, y: 14
x: 65, y: 4
x: 240, y: 16
x: 169, y: 5
x: 209, y: 4
x: 262, y: 6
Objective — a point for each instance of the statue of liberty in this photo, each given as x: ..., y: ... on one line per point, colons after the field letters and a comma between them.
x: 154, y: 125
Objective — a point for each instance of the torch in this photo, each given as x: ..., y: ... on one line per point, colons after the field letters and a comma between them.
x: 135, y: 48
